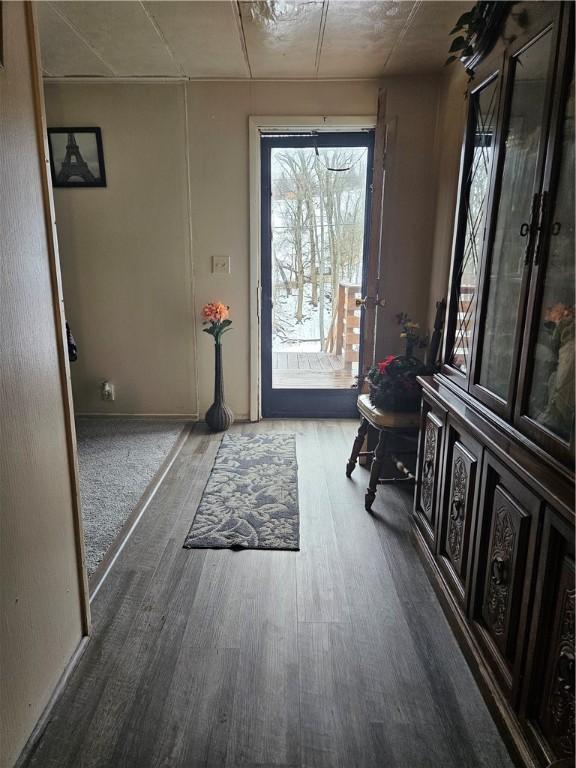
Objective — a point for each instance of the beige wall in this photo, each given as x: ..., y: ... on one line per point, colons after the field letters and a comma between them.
x: 451, y: 119
x: 409, y: 207
x: 125, y: 249
x: 40, y: 595
x: 218, y: 131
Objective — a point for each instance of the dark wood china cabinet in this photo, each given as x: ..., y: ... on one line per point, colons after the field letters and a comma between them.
x: 494, y: 502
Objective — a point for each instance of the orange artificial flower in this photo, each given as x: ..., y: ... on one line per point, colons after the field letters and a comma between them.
x: 558, y: 312
x: 215, y: 312
x: 215, y: 316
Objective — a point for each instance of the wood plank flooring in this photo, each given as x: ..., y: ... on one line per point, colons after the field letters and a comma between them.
x: 337, y: 656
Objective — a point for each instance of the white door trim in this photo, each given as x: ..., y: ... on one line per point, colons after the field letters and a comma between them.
x: 256, y: 125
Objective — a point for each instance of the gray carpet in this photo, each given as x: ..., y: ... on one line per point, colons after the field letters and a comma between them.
x: 251, y: 498
x: 117, y: 459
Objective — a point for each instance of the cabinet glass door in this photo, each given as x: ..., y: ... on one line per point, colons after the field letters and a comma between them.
x: 505, y: 273
x: 550, y: 401
x: 476, y: 182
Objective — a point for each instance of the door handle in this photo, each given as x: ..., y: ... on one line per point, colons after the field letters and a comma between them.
x: 370, y: 301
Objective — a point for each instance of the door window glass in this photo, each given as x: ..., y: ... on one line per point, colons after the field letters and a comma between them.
x: 318, y: 216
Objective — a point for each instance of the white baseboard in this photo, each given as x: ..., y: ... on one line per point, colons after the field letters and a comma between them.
x: 238, y: 419
x: 140, y: 416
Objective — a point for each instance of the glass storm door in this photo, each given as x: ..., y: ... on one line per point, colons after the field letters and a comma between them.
x: 315, y: 207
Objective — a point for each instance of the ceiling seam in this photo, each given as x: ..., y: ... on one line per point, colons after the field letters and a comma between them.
x: 409, y: 21
x: 77, y: 32
x: 321, y: 31
x: 240, y: 25
x: 148, y: 79
x: 156, y: 26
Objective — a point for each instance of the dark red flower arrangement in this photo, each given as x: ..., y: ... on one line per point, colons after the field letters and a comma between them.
x: 383, y: 364
x: 393, y: 385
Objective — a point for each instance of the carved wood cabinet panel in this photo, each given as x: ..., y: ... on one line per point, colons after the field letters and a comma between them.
x: 507, y: 526
x: 556, y: 715
x: 549, y: 698
x: 504, y: 568
x: 502, y: 556
x: 457, y: 507
x: 428, y: 473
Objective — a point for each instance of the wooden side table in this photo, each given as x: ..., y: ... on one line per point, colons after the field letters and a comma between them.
x: 387, y: 423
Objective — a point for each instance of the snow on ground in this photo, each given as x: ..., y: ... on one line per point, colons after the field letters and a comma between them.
x: 288, y: 335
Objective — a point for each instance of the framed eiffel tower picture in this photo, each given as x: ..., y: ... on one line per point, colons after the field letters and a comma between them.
x: 76, y: 157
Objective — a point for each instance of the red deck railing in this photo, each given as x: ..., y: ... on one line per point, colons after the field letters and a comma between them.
x: 343, y: 338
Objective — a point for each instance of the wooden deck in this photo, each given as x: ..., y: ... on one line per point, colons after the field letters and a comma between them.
x: 309, y: 370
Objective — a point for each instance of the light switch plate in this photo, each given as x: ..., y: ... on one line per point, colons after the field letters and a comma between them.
x: 221, y: 265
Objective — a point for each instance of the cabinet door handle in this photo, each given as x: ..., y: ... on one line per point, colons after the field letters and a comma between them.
x: 542, y: 225
x: 556, y: 227
x: 456, y: 509
x: 428, y: 468
x: 499, y: 570
x: 565, y: 671
x: 528, y: 229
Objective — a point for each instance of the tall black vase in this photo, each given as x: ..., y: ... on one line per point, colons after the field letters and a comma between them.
x: 219, y: 417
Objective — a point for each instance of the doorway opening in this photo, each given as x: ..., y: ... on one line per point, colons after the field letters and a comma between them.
x: 315, y: 209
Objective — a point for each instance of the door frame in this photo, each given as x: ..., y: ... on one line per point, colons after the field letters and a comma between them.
x: 62, y: 349
x: 277, y: 124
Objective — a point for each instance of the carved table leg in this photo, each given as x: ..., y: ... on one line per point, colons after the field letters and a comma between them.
x: 357, y: 447
x: 379, y: 454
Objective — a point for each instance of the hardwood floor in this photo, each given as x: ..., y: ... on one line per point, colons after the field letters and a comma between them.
x: 337, y: 656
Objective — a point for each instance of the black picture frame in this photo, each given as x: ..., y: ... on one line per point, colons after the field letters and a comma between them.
x: 88, y: 141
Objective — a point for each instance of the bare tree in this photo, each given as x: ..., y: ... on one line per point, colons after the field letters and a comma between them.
x: 321, y: 231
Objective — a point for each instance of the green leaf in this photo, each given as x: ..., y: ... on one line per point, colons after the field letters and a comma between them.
x: 209, y: 330
x: 458, y: 44
x: 449, y: 60
x: 225, y: 323
x: 457, y: 28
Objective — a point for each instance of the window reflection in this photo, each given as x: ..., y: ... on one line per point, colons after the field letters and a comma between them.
x: 551, y: 401
x: 523, y: 137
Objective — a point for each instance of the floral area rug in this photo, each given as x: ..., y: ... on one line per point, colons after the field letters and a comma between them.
x: 251, y: 498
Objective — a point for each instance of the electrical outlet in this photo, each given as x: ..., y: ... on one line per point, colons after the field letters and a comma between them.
x: 221, y: 265
x: 107, y: 391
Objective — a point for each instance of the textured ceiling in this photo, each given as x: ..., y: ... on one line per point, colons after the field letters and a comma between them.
x: 278, y: 39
